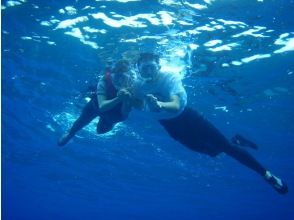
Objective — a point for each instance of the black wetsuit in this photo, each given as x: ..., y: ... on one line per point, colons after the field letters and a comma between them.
x: 107, y: 118
x: 195, y: 132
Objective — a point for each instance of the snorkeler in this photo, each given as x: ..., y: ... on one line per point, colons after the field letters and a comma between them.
x: 110, y: 101
x: 164, y: 95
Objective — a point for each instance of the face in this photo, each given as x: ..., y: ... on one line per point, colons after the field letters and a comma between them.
x: 149, y: 70
x: 121, y: 80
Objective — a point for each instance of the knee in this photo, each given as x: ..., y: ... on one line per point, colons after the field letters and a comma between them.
x: 103, y: 128
x: 229, y: 149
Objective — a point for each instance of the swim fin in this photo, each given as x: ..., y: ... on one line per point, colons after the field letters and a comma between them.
x: 279, y: 185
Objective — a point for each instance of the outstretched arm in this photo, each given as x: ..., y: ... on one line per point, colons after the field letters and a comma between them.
x: 172, y: 105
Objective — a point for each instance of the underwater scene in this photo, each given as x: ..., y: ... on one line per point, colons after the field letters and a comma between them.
x: 203, y: 130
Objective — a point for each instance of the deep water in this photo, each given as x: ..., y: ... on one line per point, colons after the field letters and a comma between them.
x: 236, y: 60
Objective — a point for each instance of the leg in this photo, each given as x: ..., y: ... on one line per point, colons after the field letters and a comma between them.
x: 242, y: 141
x: 104, y: 126
x: 89, y: 112
x: 248, y: 160
x: 203, y: 137
x: 245, y: 158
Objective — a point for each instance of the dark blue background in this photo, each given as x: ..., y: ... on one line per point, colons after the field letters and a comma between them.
x: 139, y: 172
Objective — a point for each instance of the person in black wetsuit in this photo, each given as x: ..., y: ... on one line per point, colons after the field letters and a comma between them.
x: 110, y: 101
x: 164, y: 96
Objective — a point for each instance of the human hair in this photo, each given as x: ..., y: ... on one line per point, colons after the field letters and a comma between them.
x: 121, y: 66
x: 144, y: 57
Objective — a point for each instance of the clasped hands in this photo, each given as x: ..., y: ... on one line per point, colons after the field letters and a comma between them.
x: 124, y: 94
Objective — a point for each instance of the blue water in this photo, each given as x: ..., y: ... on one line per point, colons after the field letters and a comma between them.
x: 236, y: 60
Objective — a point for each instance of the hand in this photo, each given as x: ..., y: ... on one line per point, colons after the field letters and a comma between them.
x: 153, y: 103
x: 124, y: 94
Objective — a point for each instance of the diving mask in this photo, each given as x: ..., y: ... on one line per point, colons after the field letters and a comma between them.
x: 149, y: 70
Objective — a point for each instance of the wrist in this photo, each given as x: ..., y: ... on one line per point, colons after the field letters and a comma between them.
x: 160, y: 105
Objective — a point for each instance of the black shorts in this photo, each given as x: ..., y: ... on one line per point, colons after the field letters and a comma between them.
x: 107, y: 119
x: 195, y: 132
